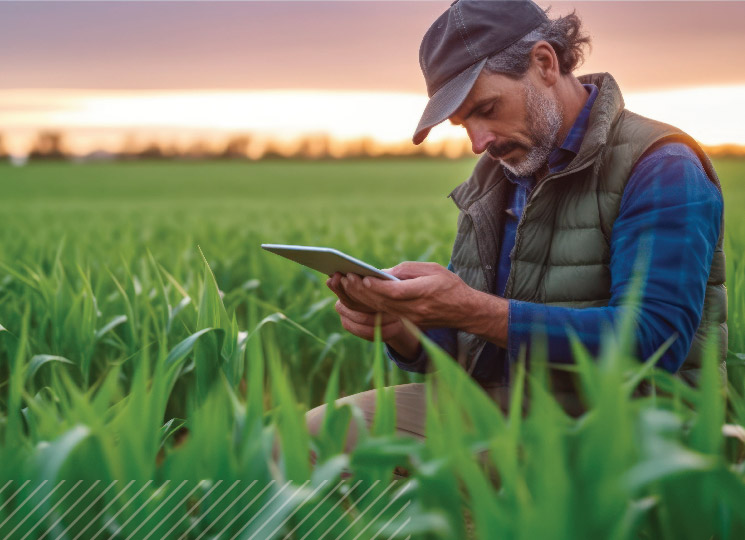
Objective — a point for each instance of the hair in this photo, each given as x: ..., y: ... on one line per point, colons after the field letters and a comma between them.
x: 564, y: 34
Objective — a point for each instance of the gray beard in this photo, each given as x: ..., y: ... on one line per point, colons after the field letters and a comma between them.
x: 544, y: 121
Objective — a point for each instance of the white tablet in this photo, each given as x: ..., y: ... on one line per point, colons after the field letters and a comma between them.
x: 327, y: 260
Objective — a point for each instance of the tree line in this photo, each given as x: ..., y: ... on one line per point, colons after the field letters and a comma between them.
x: 52, y: 145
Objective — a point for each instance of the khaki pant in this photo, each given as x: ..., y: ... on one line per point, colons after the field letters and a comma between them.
x: 410, y: 402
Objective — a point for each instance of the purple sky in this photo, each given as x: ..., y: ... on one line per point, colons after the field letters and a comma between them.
x: 332, y: 45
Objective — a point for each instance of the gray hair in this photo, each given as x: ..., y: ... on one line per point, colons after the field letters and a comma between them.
x: 564, y: 34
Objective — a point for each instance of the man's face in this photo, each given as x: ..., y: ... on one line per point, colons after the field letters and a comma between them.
x: 515, y: 121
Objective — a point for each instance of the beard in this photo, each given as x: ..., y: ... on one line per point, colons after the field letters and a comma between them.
x: 544, y: 118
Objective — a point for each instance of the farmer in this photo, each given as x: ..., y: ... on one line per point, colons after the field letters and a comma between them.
x: 572, y: 190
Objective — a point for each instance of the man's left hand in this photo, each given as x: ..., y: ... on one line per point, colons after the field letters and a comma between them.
x: 429, y: 295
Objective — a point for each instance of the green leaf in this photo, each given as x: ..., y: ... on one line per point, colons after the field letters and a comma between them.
x: 49, y: 457
x: 180, y: 351
x: 169, y: 428
x: 39, y: 360
x: 113, y: 323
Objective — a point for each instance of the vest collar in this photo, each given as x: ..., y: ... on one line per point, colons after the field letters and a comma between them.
x: 608, y: 106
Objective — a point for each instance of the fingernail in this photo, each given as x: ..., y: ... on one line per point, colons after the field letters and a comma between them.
x: 367, y: 282
x: 344, y: 281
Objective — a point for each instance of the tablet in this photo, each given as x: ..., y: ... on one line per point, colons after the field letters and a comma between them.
x: 327, y: 260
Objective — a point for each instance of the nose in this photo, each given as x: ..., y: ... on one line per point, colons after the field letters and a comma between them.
x: 480, y: 137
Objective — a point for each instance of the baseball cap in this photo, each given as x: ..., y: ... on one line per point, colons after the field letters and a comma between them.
x: 457, y: 45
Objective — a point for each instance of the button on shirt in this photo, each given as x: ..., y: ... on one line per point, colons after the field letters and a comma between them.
x: 671, y: 202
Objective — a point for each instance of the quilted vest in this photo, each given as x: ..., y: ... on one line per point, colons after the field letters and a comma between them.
x: 562, y: 246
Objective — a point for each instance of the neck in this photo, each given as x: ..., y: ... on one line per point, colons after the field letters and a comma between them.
x: 572, y: 96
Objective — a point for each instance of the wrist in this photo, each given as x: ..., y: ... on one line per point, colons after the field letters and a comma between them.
x: 486, y: 316
x: 405, y: 344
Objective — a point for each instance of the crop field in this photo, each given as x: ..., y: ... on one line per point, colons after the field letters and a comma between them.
x: 151, y: 354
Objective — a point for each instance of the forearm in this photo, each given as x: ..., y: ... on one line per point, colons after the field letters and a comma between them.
x: 555, y: 324
x: 415, y: 364
x: 654, y: 323
x: 406, y: 345
x: 486, y: 316
x: 419, y: 360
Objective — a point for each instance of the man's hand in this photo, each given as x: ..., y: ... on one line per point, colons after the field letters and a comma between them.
x: 334, y: 283
x: 360, y: 319
x: 431, y: 296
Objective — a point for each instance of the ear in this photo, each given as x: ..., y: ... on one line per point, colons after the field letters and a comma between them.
x: 544, y: 61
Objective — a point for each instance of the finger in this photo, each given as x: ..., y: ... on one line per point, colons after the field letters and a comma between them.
x: 396, y: 291
x: 353, y: 286
x: 414, y: 269
x: 350, y: 302
x: 363, y: 317
x: 368, y: 332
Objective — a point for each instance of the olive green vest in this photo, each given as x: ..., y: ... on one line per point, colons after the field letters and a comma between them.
x: 562, y: 246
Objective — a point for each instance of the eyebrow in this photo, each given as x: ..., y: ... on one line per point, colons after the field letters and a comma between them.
x: 477, y: 106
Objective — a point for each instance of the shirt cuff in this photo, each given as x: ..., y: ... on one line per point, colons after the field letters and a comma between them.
x: 519, y: 327
x: 418, y: 365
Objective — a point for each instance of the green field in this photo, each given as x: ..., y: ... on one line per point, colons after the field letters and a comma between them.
x: 150, y: 352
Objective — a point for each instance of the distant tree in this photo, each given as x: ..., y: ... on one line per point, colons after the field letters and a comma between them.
x: 49, y: 145
x: 171, y: 150
x: 314, y: 146
x: 129, y: 149
x: 198, y: 150
x: 354, y: 148
x: 236, y: 147
x: 725, y: 151
x: 151, y: 151
x: 3, y: 153
x: 272, y: 150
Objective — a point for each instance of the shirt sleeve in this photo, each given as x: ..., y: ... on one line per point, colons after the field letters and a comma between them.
x: 445, y: 338
x: 670, y: 214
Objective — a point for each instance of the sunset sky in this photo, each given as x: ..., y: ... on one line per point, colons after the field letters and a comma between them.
x: 102, y: 70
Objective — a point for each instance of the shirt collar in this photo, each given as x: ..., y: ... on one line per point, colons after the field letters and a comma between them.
x: 573, y: 140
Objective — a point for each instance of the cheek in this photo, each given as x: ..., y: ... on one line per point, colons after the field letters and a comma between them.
x: 510, y: 128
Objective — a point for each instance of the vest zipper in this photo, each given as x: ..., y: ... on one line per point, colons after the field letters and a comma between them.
x: 531, y: 196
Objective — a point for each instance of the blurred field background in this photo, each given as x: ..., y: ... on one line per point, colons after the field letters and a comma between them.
x: 113, y: 384
x: 109, y: 218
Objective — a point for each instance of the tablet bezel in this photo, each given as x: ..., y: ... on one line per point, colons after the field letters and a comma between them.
x: 285, y: 250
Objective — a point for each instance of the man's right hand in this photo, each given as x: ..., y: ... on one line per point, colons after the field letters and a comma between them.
x: 359, y: 319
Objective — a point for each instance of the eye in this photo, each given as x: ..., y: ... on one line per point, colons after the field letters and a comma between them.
x: 487, y: 111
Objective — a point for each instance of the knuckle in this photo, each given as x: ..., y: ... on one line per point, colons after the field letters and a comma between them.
x: 395, y: 294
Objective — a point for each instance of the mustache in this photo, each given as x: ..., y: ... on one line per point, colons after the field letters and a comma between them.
x: 497, y: 151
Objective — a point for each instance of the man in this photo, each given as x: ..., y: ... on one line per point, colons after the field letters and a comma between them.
x: 571, y: 191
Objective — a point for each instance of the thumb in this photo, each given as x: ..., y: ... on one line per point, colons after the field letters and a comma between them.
x: 410, y: 270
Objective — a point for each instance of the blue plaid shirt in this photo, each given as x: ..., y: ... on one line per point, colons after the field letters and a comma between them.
x: 669, y: 198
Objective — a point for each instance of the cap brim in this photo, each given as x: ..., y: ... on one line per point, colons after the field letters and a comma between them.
x: 447, y: 100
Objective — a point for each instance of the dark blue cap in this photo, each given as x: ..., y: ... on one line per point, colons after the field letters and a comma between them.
x: 458, y: 44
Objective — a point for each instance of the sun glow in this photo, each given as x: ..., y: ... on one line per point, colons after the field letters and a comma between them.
x: 712, y: 115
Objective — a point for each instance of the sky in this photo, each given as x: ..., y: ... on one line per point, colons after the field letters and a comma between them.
x: 347, y: 68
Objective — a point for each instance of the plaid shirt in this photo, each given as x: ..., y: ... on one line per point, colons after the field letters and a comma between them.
x: 670, y: 199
